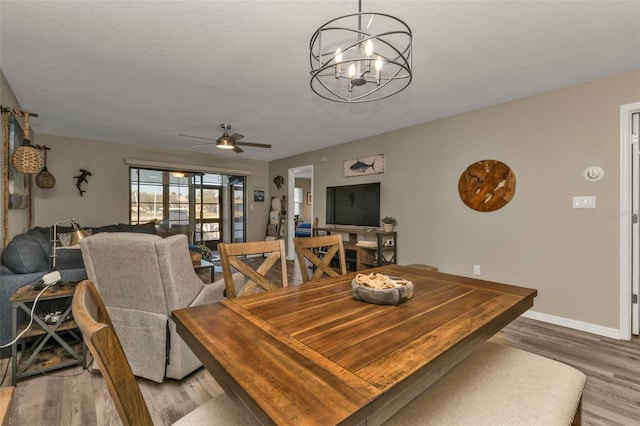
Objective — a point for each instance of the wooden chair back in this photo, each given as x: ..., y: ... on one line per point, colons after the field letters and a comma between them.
x: 320, y: 251
x: 97, y: 330
x: 423, y: 266
x: 231, y: 256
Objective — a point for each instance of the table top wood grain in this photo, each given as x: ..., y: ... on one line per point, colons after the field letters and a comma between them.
x: 311, y: 354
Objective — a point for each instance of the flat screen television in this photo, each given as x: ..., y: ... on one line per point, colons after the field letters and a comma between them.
x: 354, y: 205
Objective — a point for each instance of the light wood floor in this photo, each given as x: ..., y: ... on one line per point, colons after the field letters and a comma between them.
x: 73, y: 397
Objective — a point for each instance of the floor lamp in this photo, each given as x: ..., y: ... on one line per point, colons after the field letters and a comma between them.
x: 76, y: 235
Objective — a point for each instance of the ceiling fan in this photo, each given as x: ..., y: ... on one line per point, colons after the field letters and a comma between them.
x: 227, y: 142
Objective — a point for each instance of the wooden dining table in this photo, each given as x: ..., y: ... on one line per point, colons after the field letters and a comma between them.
x: 313, y: 355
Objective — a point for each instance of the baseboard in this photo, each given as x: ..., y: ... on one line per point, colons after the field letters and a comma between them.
x: 612, y: 333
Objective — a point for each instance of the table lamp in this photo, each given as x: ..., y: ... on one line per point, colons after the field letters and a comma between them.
x: 76, y: 235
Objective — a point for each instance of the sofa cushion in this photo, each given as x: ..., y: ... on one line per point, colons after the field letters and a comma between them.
x: 107, y: 228
x: 28, y: 253
x: 68, y: 258
x: 144, y: 228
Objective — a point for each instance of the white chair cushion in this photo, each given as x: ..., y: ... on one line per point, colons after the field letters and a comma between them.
x: 499, y: 385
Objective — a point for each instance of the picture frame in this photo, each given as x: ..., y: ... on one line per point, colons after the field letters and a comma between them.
x: 258, y: 195
x: 362, y: 166
x: 18, y: 182
x: 308, y: 197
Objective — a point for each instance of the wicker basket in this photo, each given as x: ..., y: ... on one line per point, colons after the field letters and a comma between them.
x: 26, y: 159
x: 45, y: 179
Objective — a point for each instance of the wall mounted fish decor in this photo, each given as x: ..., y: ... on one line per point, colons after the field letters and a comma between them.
x: 364, y: 166
x: 82, y: 178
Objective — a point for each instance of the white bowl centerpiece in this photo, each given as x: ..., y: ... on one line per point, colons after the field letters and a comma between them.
x: 381, y: 289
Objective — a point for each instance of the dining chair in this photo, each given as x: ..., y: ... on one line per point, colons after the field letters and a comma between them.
x: 320, y: 251
x: 423, y: 266
x: 100, y: 337
x: 234, y: 255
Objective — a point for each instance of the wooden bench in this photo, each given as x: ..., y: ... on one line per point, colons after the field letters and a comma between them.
x: 500, y: 385
x: 6, y: 405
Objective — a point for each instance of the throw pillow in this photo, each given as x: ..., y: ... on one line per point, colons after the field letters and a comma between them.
x: 24, y: 255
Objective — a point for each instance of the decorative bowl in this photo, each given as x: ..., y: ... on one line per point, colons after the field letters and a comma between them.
x: 382, y: 296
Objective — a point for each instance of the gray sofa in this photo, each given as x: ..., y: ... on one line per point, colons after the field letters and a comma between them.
x: 26, y: 259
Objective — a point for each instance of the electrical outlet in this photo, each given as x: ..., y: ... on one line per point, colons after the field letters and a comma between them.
x: 476, y: 269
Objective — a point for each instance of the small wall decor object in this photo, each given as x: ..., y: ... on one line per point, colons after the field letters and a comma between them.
x: 364, y: 166
x: 45, y: 179
x: 487, y: 185
x: 279, y: 181
x: 309, y: 198
x: 593, y: 173
x: 82, y: 178
x: 258, y: 195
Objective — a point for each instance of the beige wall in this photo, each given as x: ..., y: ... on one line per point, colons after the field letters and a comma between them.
x: 18, y: 219
x: 537, y: 240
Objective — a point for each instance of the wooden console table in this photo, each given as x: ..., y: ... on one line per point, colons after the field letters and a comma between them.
x: 363, y: 257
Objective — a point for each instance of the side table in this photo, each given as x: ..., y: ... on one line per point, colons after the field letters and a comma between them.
x: 203, y: 265
x: 55, y: 343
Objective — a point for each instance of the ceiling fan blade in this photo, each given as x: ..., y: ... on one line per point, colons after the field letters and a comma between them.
x: 236, y: 136
x: 199, y: 145
x: 238, y: 149
x: 256, y: 145
x: 196, y: 137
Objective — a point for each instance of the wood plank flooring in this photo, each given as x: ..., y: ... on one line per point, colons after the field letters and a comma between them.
x: 73, y: 397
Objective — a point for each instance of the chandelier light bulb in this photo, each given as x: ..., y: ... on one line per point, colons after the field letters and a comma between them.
x: 338, y: 56
x: 352, y: 71
x: 378, y: 63
x: 368, y: 48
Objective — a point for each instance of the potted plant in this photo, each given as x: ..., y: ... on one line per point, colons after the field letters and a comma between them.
x: 388, y: 223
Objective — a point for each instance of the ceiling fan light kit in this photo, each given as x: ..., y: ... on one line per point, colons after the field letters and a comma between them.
x: 361, y: 57
x: 225, y: 141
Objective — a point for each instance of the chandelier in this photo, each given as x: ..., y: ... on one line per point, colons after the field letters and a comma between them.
x: 361, y: 57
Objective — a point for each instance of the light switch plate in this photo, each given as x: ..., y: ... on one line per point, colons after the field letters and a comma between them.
x: 588, y: 202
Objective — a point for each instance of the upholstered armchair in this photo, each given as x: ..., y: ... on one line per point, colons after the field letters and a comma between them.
x: 142, y: 278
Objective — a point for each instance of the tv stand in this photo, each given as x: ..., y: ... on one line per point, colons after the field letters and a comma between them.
x: 376, y: 252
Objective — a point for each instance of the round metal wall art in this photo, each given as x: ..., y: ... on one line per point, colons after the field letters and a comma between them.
x: 487, y: 185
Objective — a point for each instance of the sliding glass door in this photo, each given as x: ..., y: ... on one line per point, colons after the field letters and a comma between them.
x: 199, y: 205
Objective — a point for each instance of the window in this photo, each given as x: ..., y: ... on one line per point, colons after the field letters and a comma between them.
x: 188, y: 203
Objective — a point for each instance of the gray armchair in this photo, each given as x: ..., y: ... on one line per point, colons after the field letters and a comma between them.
x: 142, y: 278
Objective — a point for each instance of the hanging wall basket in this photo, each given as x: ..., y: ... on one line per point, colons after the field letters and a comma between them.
x: 26, y: 158
x: 45, y: 179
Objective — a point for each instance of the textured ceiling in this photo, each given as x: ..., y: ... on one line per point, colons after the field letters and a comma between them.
x: 141, y: 72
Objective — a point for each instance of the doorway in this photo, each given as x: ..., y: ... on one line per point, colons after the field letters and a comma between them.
x: 629, y: 226
x: 302, y: 204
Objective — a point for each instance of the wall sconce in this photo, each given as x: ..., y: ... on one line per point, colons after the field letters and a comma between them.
x: 76, y: 235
